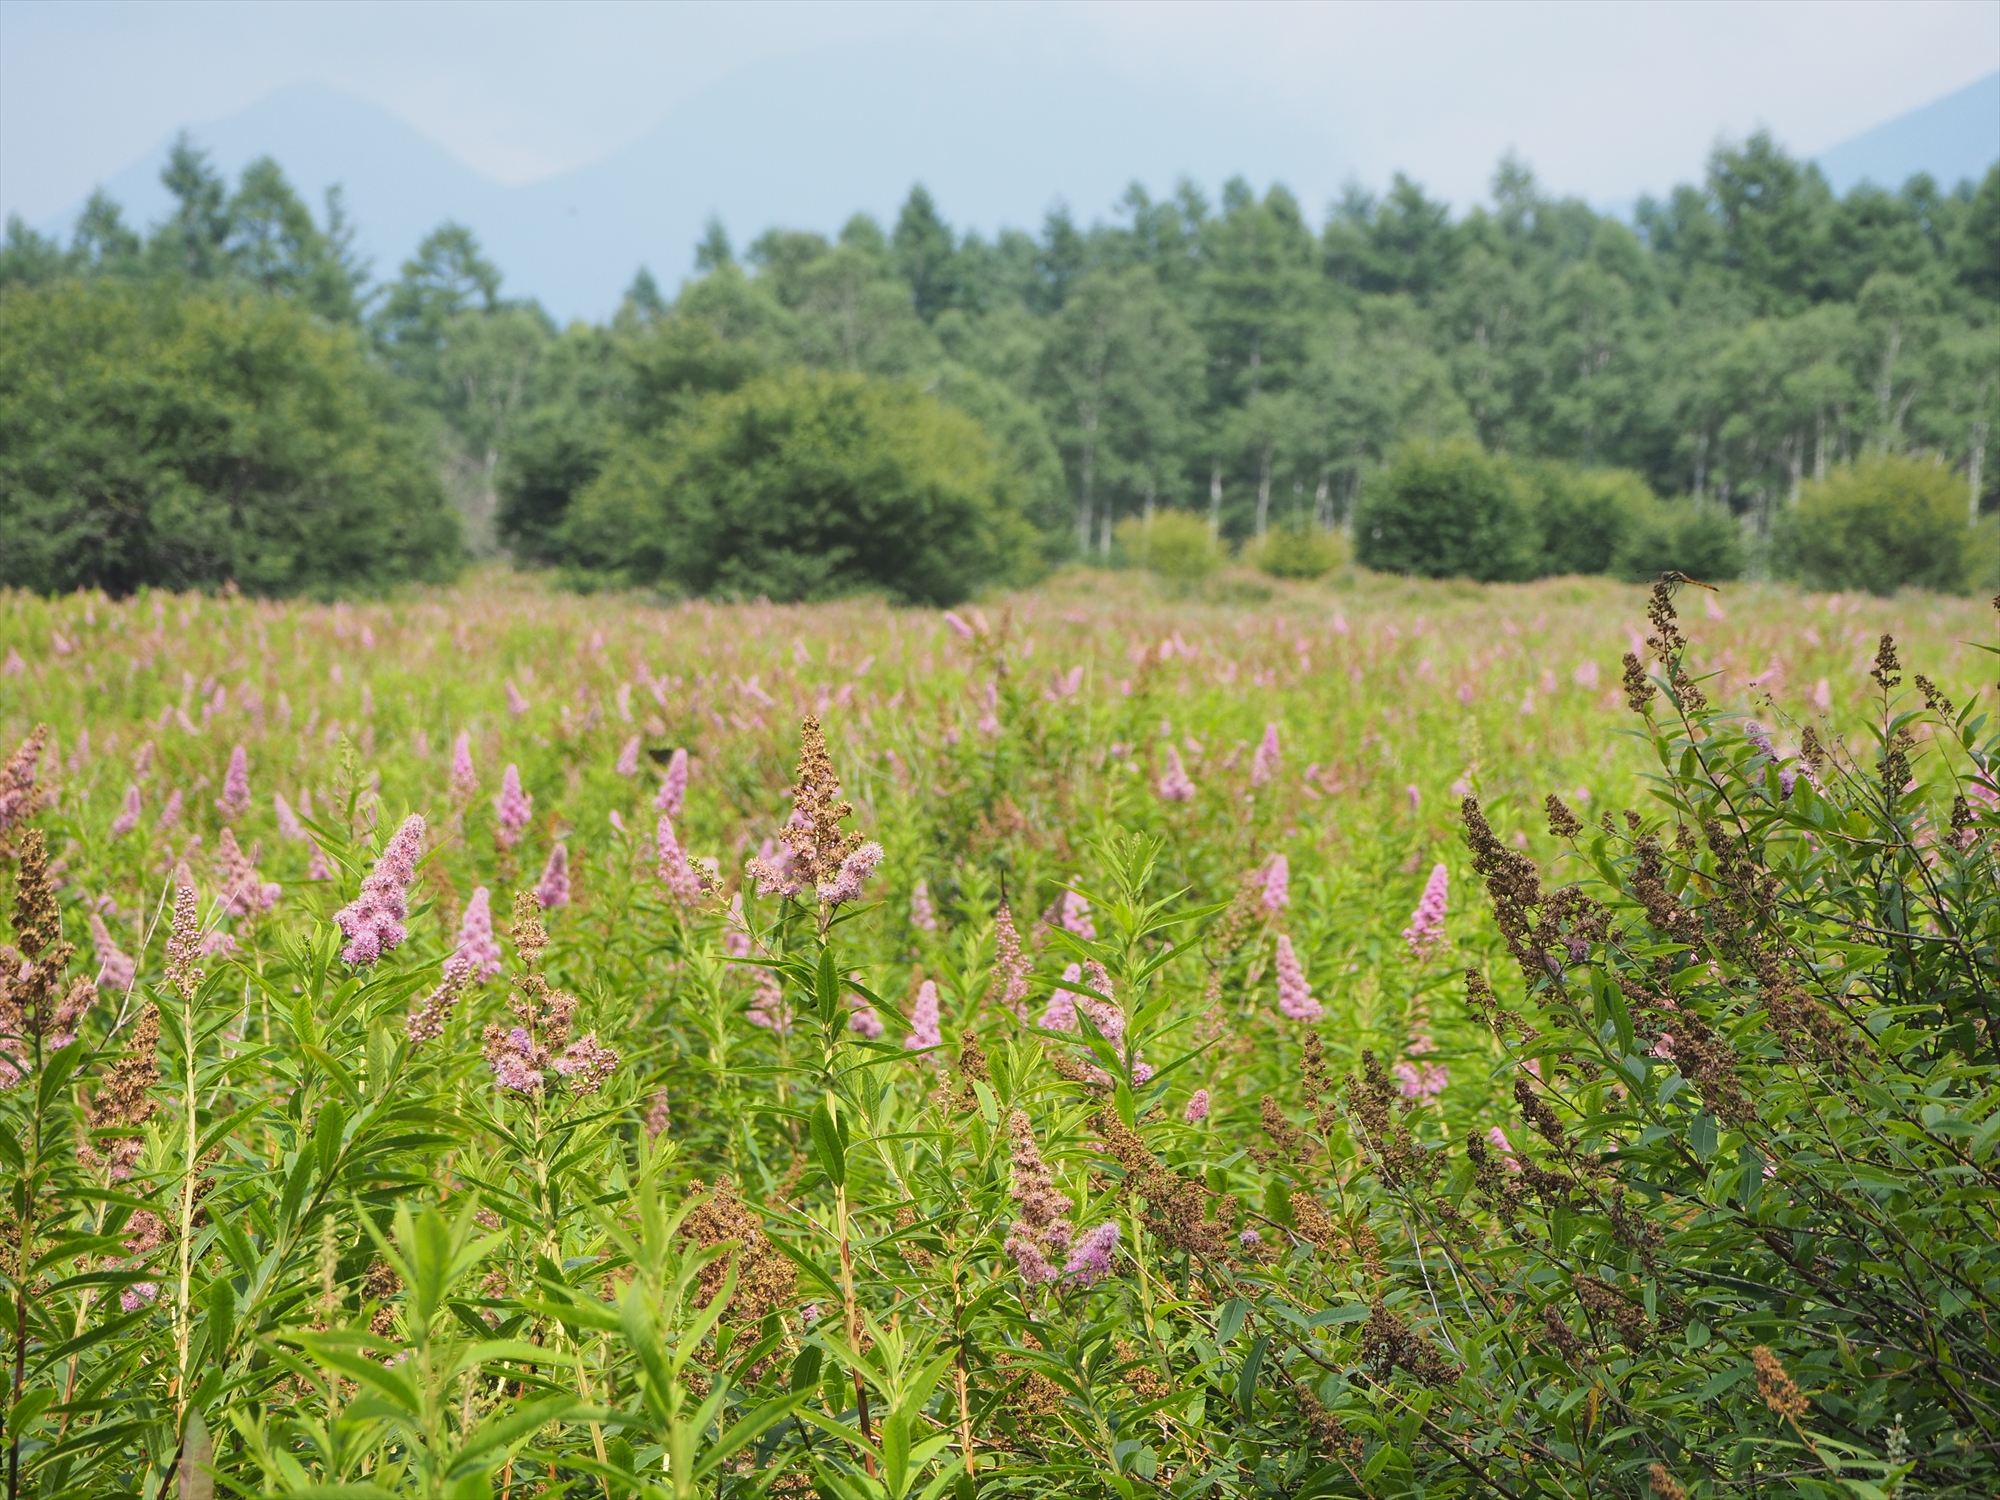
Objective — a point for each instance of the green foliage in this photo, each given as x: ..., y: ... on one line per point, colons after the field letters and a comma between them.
x: 1881, y: 524
x: 808, y: 485
x: 189, y: 441
x: 1585, y: 516
x: 1446, y: 510
x: 1683, y: 536
x: 1298, y: 552
x: 1175, y: 544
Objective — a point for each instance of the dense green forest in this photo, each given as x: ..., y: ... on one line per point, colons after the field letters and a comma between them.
x: 1733, y: 349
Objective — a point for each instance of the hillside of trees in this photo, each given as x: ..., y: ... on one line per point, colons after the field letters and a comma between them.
x: 1738, y: 341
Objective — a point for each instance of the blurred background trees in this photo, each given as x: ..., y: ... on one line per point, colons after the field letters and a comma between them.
x: 1682, y: 390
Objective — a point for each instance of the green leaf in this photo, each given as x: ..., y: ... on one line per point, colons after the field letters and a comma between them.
x: 828, y: 1152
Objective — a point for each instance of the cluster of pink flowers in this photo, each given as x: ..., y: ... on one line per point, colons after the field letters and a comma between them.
x: 128, y: 815
x: 553, y: 888
x: 852, y: 876
x: 1426, y: 930
x: 1010, y: 968
x: 244, y: 892
x: 675, y: 870
x: 1174, y: 784
x: 1264, y: 764
x: 923, y: 915
x: 464, y: 780
x: 1277, y: 884
x: 427, y: 1022
x: 476, y: 944
x: 512, y: 809
x: 235, y: 799
x: 1042, y: 1229
x: 516, y: 704
x: 1090, y: 1261
x: 1197, y: 1107
x: 673, y: 786
x: 926, y: 1025
x: 863, y: 1020
x: 17, y: 780
x: 373, y: 921
x: 1072, y: 913
x: 1295, y: 996
x: 586, y: 1063
x: 115, y: 969
x: 1421, y: 1080
x: 627, y: 763
x: 517, y: 1060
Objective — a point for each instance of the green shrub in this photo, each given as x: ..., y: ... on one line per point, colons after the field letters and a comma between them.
x: 1297, y: 552
x: 1583, y: 516
x: 808, y: 485
x: 1175, y: 544
x: 153, y: 437
x: 1446, y: 511
x: 1880, y: 525
x: 1701, y: 540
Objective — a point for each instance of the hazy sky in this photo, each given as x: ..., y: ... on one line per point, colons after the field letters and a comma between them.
x: 1605, y: 100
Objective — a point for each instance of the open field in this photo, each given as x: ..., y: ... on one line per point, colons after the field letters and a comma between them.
x: 413, y: 1225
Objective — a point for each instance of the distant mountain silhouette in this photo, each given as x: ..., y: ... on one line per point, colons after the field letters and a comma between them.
x: 801, y: 142
x: 805, y: 141
x: 1956, y: 138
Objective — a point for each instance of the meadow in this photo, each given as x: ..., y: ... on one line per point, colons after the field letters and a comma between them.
x: 522, y: 1043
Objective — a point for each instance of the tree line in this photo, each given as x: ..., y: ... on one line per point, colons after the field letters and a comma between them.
x: 1737, y: 340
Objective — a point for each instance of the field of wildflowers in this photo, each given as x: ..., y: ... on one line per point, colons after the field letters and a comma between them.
x: 510, y: 1043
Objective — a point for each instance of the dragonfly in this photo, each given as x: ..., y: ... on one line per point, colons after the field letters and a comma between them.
x: 1672, y: 582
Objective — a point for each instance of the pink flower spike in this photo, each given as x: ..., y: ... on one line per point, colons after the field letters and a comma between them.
x: 553, y: 890
x: 1497, y: 1138
x: 923, y: 916
x: 964, y: 631
x: 1295, y: 996
x: 673, y: 788
x: 512, y: 809
x: 128, y: 815
x: 115, y: 970
x: 1264, y: 764
x: 373, y: 921
x: 628, y: 758
x: 1421, y: 1080
x: 848, y: 882
x: 1426, y: 930
x: 1074, y: 913
x: 1197, y: 1107
x: 1174, y: 785
x: 674, y: 870
x: 1090, y: 1261
x: 464, y: 780
x: 171, y: 813
x: 516, y: 704
x: 864, y: 1020
x: 288, y: 821
x: 1277, y: 884
x: 1060, y: 1013
x: 926, y: 1029
x: 476, y: 945
x: 235, y: 799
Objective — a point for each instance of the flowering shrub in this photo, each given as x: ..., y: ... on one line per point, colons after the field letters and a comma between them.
x: 771, y: 1142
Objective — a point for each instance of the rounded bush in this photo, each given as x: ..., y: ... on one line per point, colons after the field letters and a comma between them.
x: 809, y: 484
x: 1683, y: 536
x: 1174, y: 543
x: 1298, y: 552
x: 1879, y: 525
x: 1446, y: 510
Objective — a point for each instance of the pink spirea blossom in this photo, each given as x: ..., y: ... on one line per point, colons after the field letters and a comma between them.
x: 926, y: 1029
x: 1264, y: 764
x: 964, y: 631
x: 768, y: 1008
x: 516, y: 704
x: 139, y: 1294
x: 215, y: 943
x: 586, y: 1063
x: 1072, y: 914
x: 1663, y: 1049
x: 128, y: 815
x: 1197, y: 1107
x: 1497, y: 1138
x: 235, y: 799
x: 673, y: 786
x: 289, y: 825
x: 1010, y: 967
x: 865, y: 1021
x: 373, y: 921
x: 464, y: 780
x: 171, y: 813
x: 316, y: 867
x: 1277, y: 884
x: 852, y: 876
x: 1060, y: 1013
x: 426, y: 1023
x: 1173, y: 784
x: 1295, y: 996
x: 244, y: 892
x: 1090, y: 1261
x: 514, y: 1057
x: 115, y: 968
x: 1426, y: 930
x: 1760, y: 740
x: 553, y: 888
x: 923, y: 915
x: 628, y: 757
x: 674, y: 870
x: 512, y: 809
x: 1421, y: 1080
